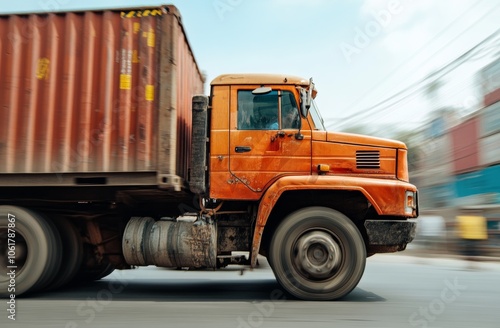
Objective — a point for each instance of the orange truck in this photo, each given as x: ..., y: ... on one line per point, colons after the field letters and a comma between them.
x: 111, y: 158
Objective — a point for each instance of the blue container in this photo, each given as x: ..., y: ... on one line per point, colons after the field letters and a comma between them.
x: 492, y: 177
x: 469, y: 184
x: 481, y: 182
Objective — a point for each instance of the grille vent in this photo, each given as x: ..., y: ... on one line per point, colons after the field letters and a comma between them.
x: 367, y: 159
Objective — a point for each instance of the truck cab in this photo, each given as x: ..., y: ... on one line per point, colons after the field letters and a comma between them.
x: 322, y: 201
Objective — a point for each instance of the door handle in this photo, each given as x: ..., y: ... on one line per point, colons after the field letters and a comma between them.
x: 242, y: 149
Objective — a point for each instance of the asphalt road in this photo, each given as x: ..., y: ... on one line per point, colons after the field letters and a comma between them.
x: 396, y: 291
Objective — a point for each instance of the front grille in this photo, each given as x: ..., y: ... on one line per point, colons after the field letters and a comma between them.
x: 367, y: 159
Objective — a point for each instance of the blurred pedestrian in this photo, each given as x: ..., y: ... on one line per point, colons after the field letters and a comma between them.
x: 473, y: 231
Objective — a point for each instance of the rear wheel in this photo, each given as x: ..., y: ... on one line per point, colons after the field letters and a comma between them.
x: 35, y: 246
x: 317, y: 253
x: 94, y: 273
x: 91, y: 268
x: 106, y: 271
x: 72, y: 253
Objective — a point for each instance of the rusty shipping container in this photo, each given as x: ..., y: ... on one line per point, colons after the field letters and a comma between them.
x: 96, y: 97
x: 465, y: 145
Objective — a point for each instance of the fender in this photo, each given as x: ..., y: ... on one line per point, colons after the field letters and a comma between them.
x: 387, y: 196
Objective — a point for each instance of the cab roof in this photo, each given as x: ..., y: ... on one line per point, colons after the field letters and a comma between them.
x: 259, y: 79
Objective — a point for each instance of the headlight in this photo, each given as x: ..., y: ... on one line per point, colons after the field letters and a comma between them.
x: 410, y: 203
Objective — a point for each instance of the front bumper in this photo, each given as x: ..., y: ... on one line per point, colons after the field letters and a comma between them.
x: 389, y: 235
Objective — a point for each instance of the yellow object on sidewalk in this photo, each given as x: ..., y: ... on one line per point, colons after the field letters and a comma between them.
x: 472, y: 227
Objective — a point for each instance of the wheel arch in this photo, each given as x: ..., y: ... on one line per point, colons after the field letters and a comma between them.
x: 352, y: 204
x: 272, y: 210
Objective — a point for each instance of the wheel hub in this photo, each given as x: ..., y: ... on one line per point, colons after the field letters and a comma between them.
x: 317, y: 254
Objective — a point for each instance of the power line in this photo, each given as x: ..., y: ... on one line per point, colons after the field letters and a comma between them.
x: 435, y: 75
x: 420, y: 85
x: 463, y: 84
x: 361, y: 114
x: 396, y: 69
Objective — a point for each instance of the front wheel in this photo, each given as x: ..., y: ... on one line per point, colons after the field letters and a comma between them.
x: 317, y: 254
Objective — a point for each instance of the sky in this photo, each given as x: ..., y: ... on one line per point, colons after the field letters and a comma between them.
x: 358, y: 52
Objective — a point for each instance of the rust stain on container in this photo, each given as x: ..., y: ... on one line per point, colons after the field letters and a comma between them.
x: 465, y: 146
x: 80, y: 91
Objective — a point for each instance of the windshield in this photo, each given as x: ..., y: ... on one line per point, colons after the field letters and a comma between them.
x: 316, y: 117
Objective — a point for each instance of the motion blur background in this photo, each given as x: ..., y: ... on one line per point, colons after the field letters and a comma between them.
x: 424, y: 72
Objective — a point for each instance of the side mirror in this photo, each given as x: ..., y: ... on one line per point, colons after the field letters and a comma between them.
x: 304, y: 103
x: 306, y: 98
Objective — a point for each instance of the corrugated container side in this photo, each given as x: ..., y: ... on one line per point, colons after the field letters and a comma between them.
x: 4, y: 117
x: 181, y: 79
x: 59, y: 86
x: 465, y: 145
x: 85, y: 92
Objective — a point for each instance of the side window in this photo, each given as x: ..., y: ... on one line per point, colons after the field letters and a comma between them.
x: 290, y: 118
x: 257, y: 112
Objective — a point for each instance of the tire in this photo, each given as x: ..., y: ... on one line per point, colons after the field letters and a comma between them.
x: 72, y: 253
x: 86, y: 275
x: 317, y: 254
x: 106, y: 271
x: 39, y: 244
x: 90, y: 269
x: 55, y: 260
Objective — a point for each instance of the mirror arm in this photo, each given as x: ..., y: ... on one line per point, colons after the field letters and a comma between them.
x: 298, y: 135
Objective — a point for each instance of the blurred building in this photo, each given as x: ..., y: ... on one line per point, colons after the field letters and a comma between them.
x: 459, y: 164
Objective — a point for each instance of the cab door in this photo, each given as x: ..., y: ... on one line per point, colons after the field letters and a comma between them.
x: 265, y: 140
